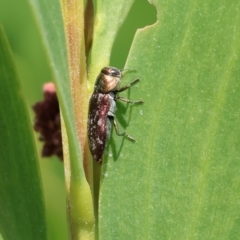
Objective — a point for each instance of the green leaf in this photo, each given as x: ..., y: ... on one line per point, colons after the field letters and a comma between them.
x: 22, y: 214
x: 110, y: 16
x: 180, y: 179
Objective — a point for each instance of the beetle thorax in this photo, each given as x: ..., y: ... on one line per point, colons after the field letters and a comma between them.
x: 107, y: 83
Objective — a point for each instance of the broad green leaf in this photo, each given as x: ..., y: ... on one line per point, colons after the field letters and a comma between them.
x: 22, y: 213
x: 180, y: 179
x: 49, y: 17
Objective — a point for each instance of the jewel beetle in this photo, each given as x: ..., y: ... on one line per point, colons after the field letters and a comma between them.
x: 102, y: 108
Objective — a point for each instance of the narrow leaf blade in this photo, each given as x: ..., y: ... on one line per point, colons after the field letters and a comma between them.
x: 22, y: 213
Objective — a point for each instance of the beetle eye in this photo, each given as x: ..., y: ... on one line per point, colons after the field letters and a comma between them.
x: 114, y: 72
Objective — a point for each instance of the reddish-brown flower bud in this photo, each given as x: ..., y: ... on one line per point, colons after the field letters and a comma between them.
x: 47, y: 122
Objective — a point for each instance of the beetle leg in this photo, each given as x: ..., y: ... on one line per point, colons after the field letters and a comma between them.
x: 117, y: 131
x: 127, y: 86
x: 128, y: 101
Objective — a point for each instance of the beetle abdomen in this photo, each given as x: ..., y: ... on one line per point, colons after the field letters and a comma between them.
x: 98, y: 124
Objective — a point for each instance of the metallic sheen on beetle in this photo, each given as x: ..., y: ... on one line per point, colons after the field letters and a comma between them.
x: 102, y: 108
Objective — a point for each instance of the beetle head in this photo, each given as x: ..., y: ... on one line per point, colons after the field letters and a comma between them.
x: 108, y: 80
